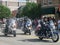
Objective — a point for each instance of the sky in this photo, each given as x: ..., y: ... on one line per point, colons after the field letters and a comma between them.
x: 15, y: 0
x: 22, y: 0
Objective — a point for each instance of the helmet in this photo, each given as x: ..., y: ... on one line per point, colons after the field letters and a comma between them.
x: 25, y: 18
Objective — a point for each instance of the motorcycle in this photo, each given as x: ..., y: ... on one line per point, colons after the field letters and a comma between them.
x: 50, y: 33
x: 27, y: 28
x: 11, y: 29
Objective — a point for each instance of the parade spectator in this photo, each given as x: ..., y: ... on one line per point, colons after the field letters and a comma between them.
x: 58, y: 24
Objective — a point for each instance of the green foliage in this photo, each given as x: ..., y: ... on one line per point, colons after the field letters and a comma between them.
x: 34, y: 10
x: 31, y: 10
x: 20, y: 12
x: 4, y: 12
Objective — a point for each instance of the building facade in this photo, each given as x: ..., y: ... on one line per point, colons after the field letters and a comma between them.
x: 14, y: 4
x: 45, y: 3
x: 51, y: 3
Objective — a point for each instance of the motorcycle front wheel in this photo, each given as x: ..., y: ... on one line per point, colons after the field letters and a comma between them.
x: 29, y: 32
x: 14, y: 33
x: 55, y: 37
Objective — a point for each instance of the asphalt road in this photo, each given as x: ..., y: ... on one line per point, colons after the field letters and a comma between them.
x: 22, y: 39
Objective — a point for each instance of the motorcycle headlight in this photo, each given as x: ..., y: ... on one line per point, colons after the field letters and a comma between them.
x: 29, y: 27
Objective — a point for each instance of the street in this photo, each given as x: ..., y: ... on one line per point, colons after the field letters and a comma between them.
x: 22, y: 39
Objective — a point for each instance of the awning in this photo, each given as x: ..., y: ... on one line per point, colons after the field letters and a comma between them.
x: 48, y: 10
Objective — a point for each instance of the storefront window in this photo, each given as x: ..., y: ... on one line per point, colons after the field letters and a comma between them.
x: 49, y: 1
x: 44, y: 2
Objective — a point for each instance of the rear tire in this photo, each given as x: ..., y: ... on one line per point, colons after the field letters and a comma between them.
x: 14, y: 35
x: 25, y: 33
x: 53, y: 37
x: 29, y: 33
x: 5, y: 34
x: 41, y: 38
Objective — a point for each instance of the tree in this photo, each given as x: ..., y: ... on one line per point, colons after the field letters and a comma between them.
x: 4, y: 12
x: 20, y: 12
x: 31, y: 10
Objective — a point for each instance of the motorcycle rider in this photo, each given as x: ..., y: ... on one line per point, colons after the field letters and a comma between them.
x: 47, y: 30
x: 51, y: 23
x: 10, y: 23
x: 27, y: 22
x: 13, y: 23
x: 44, y: 25
x: 7, y: 24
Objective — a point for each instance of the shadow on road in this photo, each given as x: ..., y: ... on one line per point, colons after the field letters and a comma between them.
x: 36, y: 40
x: 5, y: 36
x: 21, y: 34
